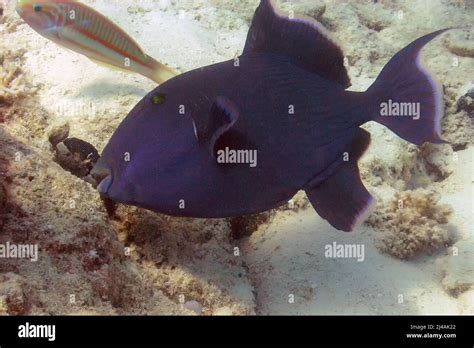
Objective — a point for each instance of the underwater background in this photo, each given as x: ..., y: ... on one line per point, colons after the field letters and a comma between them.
x: 419, y: 254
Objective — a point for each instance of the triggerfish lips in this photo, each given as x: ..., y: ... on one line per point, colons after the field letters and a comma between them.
x: 103, y: 177
x: 105, y: 184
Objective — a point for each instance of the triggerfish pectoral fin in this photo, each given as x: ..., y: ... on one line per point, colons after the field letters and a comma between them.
x: 222, y: 117
x: 342, y: 199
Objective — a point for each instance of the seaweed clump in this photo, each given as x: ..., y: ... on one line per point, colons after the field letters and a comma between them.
x: 12, y: 81
x: 414, y: 224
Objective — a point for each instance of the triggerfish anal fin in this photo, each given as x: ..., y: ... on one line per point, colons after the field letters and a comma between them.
x: 302, y: 39
x: 342, y: 199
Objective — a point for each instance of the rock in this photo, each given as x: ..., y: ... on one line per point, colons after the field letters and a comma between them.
x: 137, y: 9
x: 437, y: 160
x: 194, y: 306
x: 58, y: 134
x: 458, y: 267
x: 244, y: 226
x: 3, y: 203
x: 467, y: 302
x: 314, y: 9
x: 12, y: 296
x: 3, y: 197
x: 466, y: 103
x: 460, y: 43
x: 375, y: 17
x: 226, y: 310
x: 85, y: 150
x: 76, y: 156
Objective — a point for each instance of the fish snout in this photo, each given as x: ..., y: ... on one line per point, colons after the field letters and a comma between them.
x: 19, y: 7
x: 23, y: 5
x: 102, y: 175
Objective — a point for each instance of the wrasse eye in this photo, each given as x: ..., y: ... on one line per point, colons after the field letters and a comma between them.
x: 37, y: 7
x: 158, y: 99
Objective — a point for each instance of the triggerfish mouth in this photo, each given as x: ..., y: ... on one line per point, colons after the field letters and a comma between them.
x: 243, y: 136
x: 82, y: 29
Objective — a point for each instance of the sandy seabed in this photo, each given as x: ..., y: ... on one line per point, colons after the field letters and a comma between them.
x: 419, y: 257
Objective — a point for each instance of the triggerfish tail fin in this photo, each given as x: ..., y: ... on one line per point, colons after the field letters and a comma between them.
x: 407, y: 99
x: 160, y: 72
x: 342, y: 199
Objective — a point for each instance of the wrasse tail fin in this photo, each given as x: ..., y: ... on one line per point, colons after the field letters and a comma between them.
x: 160, y: 72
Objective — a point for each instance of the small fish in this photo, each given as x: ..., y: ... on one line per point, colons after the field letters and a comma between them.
x: 243, y: 136
x: 82, y: 29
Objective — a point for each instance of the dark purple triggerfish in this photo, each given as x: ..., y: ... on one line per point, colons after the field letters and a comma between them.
x: 243, y: 136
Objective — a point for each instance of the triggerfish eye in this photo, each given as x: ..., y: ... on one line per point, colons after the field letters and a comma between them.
x: 37, y: 7
x: 158, y: 98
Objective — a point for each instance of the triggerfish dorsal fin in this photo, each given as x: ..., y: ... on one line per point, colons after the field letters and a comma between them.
x: 342, y: 199
x: 302, y: 39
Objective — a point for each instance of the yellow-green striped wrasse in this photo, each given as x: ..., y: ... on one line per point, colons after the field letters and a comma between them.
x: 78, y: 27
